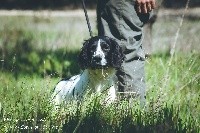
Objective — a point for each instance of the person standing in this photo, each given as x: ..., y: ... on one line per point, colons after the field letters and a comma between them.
x: 123, y: 20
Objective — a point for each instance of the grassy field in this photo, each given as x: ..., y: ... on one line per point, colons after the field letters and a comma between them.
x: 164, y: 32
x: 172, y: 103
x: 173, y: 84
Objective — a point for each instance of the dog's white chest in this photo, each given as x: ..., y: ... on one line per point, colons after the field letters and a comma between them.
x: 78, y: 85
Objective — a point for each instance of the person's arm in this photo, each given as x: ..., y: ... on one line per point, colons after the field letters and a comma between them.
x: 145, y: 6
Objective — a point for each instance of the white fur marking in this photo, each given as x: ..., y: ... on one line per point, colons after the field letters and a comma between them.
x: 99, y: 52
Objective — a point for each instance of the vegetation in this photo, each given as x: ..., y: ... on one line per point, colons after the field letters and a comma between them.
x: 27, y: 44
x: 172, y: 104
x: 32, y: 45
x: 21, y: 56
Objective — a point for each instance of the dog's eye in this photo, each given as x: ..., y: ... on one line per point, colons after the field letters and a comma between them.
x: 105, y: 47
x: 93, y: 48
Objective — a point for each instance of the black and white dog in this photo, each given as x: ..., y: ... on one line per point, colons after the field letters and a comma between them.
x: 99, y: 58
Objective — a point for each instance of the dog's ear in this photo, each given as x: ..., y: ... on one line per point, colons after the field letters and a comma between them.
x: 117, y: 55
x: 83, y: 56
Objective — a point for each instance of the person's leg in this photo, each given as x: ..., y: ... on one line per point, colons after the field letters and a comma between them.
x: 118, y: 19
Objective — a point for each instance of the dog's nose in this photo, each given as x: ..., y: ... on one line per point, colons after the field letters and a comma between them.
x: 96, y: 59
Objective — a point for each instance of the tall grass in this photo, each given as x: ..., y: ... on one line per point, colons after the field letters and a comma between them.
x: 26, y: 104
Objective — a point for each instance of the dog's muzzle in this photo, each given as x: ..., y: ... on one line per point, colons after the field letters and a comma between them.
x: 98, y: 62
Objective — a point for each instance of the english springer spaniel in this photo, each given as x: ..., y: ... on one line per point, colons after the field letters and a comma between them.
x: 99, y: 58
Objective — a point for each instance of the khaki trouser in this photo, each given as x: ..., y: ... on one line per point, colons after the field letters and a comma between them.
x: 118, y: 19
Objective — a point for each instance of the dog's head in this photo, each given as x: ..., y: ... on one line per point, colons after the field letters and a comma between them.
x: 100, y: 52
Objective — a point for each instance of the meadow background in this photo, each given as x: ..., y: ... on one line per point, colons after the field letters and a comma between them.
x: 38, y: 48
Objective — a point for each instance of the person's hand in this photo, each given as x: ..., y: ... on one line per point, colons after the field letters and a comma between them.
x: 145, y: 6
